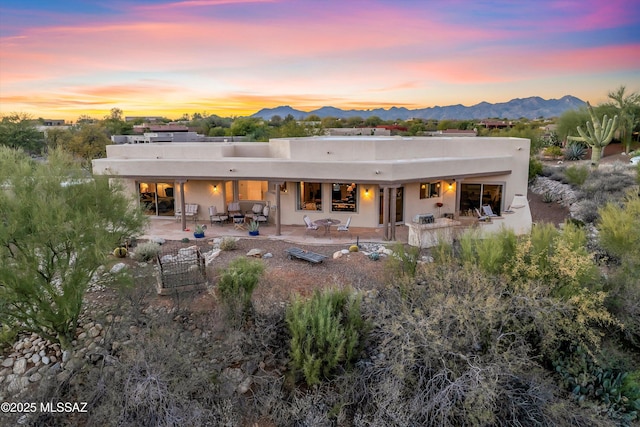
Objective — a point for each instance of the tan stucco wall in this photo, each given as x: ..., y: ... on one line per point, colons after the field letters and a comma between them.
x: 368, y: 161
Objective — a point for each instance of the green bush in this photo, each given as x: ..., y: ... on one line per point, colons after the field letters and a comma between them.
x: 326, y: 333
x: 553, y: 151
x: 148, y: 251
x: 8, y: 336
x: 576, y: 175
x: 404, y: 261
x: 491, y: 253
x: 535, y: 169
x: 236, y: 285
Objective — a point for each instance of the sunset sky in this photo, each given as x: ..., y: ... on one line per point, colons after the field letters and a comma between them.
x: 62, y: 59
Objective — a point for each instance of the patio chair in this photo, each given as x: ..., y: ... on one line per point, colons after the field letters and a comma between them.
x: 345, y: 227
x: 178, y: 214
x: 255, y: 211
x: 263, y: 217
x: 482, y: 218
x: 234, y: 209
x: 215, y: 216
x: 310, y: 225
x: 191, y: 211
x: 488, y: 211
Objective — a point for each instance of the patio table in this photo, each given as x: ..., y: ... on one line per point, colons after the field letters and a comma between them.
x: 326, y: 223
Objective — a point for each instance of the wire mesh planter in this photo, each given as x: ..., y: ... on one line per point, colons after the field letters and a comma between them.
x: 181, y: 270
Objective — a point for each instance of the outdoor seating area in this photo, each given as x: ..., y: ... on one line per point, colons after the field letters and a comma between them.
x: 191, y: 212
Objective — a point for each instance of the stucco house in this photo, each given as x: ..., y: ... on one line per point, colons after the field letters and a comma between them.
x: 378, y: 181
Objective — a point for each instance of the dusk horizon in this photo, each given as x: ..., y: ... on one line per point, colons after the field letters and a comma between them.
x: 235, y: 57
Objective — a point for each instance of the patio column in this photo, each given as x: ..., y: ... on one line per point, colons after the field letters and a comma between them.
x: 277, y: 208
x: 392, y: 212
x: 385, y: 211
x: 183, y: 217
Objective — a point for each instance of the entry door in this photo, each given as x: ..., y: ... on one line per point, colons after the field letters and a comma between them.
x: 399, y: 204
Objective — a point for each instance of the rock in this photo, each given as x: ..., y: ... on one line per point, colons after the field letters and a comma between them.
x: 66, y: 355
x: 209, y: 257
x: 244, y: 386
x: 18, y: 384
x: 35, y: 358
x: 158, y: 240
x: 82, y: 336
x: 7, y: 363
x: 94, y: 332
x: 118, y: 268
x: 165, y: 259
x: 188, y: 252
x: 20, y: 366
x: 345, y: 251
x: 45, y: 360
x: 267, y: 255
x: 255, y: 253
x: 337, y: 254
x: 35, y: 378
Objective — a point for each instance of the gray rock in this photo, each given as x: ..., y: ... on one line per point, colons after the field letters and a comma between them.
x: 35, y: 377
x: 158, y: 240
x: 66, y: 355
x: 244, y: 386
x: 7, y: 363
x: 267, y: 255
x: 118, y: 268
x: 18, y: 384
x: 20, y: 366
x: 94, y: 332
x: 255, y: 253
x: 35, y: 358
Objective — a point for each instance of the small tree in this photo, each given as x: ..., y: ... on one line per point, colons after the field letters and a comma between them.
x: 597, y: 134
x: 57, y: 226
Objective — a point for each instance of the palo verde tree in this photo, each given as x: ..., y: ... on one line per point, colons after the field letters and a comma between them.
x: 57, y: 226
x: 597, y: 134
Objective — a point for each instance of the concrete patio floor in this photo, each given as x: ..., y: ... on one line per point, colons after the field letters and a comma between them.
x: 170, y: 229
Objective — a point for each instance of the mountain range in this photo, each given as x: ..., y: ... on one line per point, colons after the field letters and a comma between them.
x: 531, y: 108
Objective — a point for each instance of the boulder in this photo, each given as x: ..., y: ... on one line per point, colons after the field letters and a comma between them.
x: 20, y: 366
x: 8, y: 363
x: 118, y: 268
x: 255, y: 253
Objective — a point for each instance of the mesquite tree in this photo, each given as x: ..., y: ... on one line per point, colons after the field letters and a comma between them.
x: 57, y: 227
x: 597, y: 135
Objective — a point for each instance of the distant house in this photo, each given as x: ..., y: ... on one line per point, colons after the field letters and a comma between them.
x: 378, y: 181
x: 454, y: 132
x: 495, y: 124
x: 53, y: 122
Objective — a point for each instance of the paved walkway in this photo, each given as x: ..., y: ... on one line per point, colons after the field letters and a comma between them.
x: 170, y: 229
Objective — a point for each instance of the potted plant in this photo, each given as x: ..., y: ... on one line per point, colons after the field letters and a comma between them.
x: 198, y: 233
x: 253, y: 228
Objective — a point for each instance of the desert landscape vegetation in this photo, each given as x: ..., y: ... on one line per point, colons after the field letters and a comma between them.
x: 501, y: 330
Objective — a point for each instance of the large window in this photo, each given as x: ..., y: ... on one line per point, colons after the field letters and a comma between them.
x: 157, y: 198
x: 429, y: 190
x: 474, y: 196
x: 310, y: 196
x: 344, y: 197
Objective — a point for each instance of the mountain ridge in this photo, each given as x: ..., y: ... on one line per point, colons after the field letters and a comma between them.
x: 531, y: 108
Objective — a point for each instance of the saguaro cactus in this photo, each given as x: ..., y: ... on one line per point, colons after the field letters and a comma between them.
x: 597, y: 135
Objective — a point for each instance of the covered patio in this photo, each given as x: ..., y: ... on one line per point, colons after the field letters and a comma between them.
x: 169, y: 229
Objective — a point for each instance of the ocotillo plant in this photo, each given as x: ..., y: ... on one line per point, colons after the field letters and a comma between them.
x: 597, y: 135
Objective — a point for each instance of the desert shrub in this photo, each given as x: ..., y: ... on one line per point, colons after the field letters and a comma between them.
x: 575, y: 151
x: 603, y: 186
x: 228, y: 244
x: 552, y: 151
x: 461, y: 351
x: 576, y: 175
x: 535, y: 169
x: 403, y: 262
x: 548, y: 197
x: 120, y: 252
x: 491, y: 252
x: 326, y: 333
x: 236, y: 285
x: 619, y: 230
x: 185, y: 240
x: 148, y: 251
